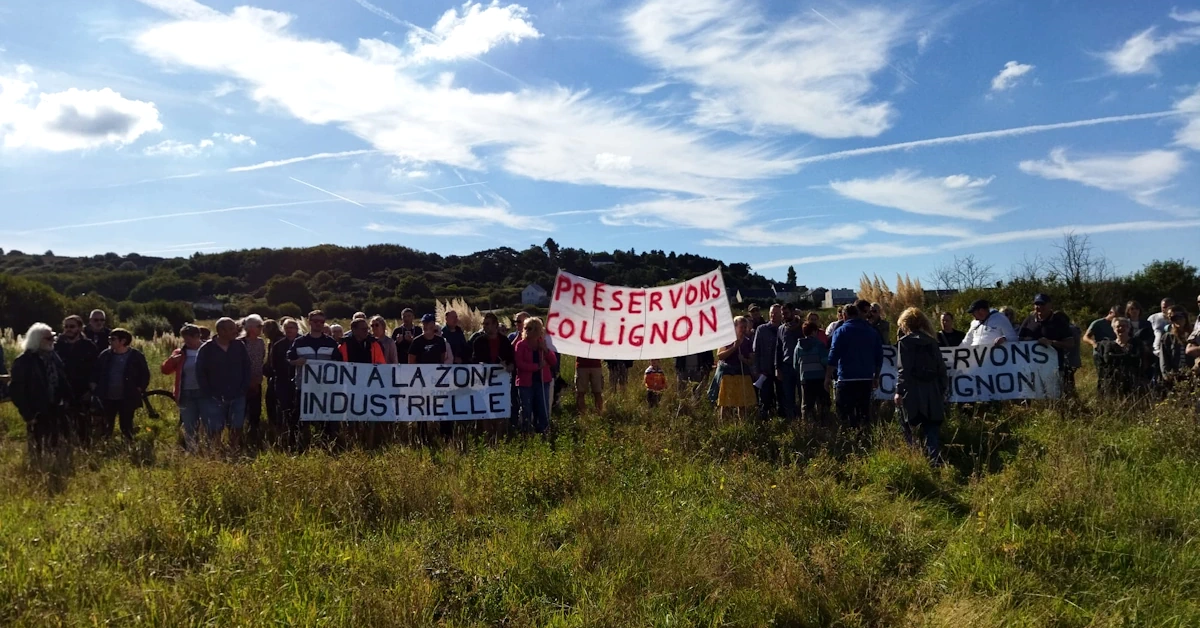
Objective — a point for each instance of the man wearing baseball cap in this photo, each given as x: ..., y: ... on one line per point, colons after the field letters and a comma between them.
x: 989, y: 328
x: 1052, y: 329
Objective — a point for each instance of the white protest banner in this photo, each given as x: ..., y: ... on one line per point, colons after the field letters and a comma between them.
x: 338, y: 391
x: 1013, y: 370
x: 589, y: 319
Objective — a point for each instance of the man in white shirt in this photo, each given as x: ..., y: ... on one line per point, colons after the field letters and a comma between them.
x: 1161, y: 321
x: 989, y: 327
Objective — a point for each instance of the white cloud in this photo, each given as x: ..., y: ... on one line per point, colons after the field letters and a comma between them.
x: 1192, y: 17
x: 223, y: 89
x: 1009, y: 76
x: 1136, y: 55
x: 472, y: 32
x: 955, y: 196
x: 647, y: 88
x: 1140, y: 175
x: 751, y: 72
x: 443, y: 229
x: 75, y: 119
x: 547, y: 134
x: 470, y: 216
x: 173, y: 148
x: 609, y: 161
x: 236, y: 138
x: 1189, y: 134
x: 295, y: 160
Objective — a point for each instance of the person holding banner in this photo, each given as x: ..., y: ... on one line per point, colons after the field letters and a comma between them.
x: 737, y: 366
x: 535, y: 362
x: 856, y: 358
x: 949, y: 336
x: 314, y: 346
x: 921, y: 380
x: 1052, y: 329
x: 989, y: 328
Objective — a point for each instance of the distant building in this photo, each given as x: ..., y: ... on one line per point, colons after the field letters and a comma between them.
x: 816, y: 296
x: 754, y: 295
x: 534, y: 294
x: 839, y: 296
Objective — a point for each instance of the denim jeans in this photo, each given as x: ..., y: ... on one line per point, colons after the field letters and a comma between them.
x: 535, y: 410
x: 189, y: 415
x: 221, y: 413
x: 931, y: 432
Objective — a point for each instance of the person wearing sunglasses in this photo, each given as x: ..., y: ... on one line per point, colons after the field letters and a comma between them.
x: 78, y: 355
x: 119, y: 379
x: 97, y: 329
x: 380, y: 331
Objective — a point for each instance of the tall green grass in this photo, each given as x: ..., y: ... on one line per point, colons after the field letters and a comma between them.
x: 1041, y: 518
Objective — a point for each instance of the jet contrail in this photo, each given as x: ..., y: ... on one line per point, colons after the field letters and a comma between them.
x: 202, y: 212
x: 296, y: 160
x: 328, y: 192
x: 431, y: 190
x: 286, y: 222
x: 983, y: 135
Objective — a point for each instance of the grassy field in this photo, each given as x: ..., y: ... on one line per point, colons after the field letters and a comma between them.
x: 632, y: 518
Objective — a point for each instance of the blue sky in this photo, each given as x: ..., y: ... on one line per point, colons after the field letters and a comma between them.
x: 834, y: 136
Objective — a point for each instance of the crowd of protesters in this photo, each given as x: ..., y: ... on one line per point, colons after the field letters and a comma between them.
x: 83, y: 383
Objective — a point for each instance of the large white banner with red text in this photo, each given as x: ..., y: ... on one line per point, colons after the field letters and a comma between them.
x: 590, y: 319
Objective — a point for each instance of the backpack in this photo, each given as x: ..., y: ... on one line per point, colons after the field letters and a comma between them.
x: 925, y: 368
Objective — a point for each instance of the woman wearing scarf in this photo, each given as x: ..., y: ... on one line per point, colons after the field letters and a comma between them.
x: 40, y: 390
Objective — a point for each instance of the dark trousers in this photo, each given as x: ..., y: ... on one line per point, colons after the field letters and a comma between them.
x: 114, y: 409
x: 788, y: 387
x: 652, y: 398
x: 46, y: 430
x: 272, y: 405
x: 854, y: 403
x: 254, y: 408
x: 816, y: 399
x: 768, y: 396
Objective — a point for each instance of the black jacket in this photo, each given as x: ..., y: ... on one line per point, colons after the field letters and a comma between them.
x: 481, y: 352
x: 30, y: 386
x: 98, y: 338
x: 79, y: 358
x: 705, y: 359
x: 137, y: 373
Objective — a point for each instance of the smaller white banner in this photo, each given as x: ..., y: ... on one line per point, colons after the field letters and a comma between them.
x: 1013, y: 370
x: 338, y: 391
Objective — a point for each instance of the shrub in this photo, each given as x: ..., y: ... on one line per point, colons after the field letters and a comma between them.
x: 24, y: 302
x: 337, y: 309
x: 165, y: 287
x: 148, y: 326
x: 282, y: 290
x: 289, y: 309
x: 176, y: 312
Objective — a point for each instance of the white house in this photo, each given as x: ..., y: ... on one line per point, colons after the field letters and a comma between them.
x: 838, y: 296
x: 534, y: 294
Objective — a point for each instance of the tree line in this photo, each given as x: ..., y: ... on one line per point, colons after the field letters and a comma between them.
x: 160, y: 293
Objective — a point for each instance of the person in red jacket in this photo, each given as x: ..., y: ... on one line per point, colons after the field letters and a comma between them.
x: 360, y: 346
x: 187, y: 389
x: 535, y: 362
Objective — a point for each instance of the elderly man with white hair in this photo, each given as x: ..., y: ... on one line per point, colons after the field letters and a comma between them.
x: 40, y: 390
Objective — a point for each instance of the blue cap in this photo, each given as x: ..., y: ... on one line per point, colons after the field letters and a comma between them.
x: 1041, y: 298
x: 428, y: 318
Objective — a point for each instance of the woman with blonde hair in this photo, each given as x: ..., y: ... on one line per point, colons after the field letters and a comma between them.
x: 40, y: 390
x: 737, y: 359
x: 535, y: 362
x: 921, y: 382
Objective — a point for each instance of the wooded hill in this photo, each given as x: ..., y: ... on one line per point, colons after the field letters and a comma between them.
x: 380, y: 279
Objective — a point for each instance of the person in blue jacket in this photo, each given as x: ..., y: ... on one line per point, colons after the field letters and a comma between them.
x: 856, y: 358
